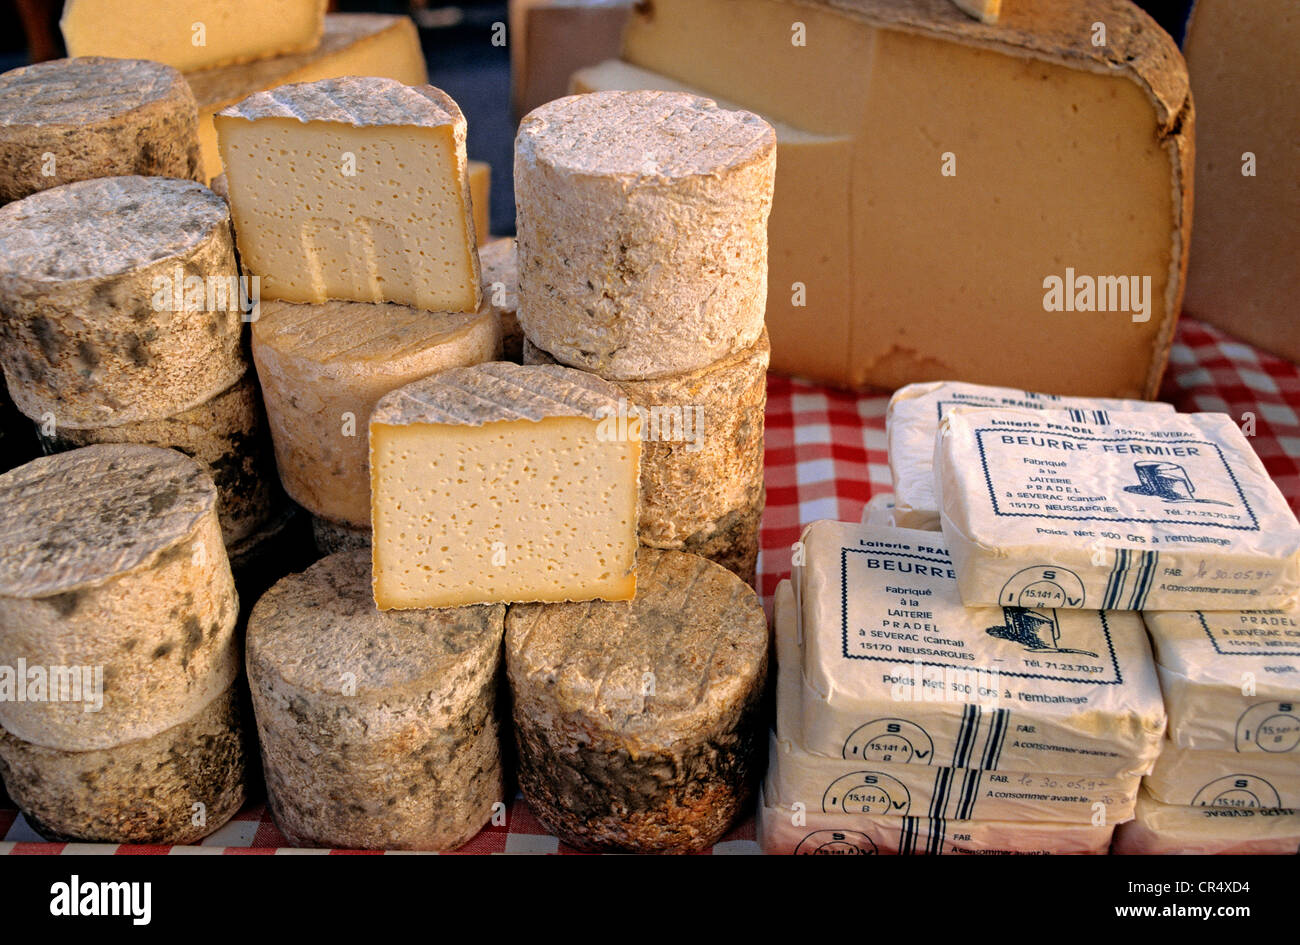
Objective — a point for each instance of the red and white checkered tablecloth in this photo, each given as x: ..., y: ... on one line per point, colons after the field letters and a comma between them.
x: 825, y: 458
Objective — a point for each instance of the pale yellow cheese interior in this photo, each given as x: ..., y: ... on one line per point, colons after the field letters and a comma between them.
x: 507, y: 511
x: 1055, y: 168
x: 397, y: 230
x: 480, y: 191
x: 191, y: 34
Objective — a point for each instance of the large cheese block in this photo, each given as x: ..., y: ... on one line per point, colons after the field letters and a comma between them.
x: 403, y: 706
x: 106, y: 325
x: 352, y: 44
x: 113, y: 576
x: 324, y: 366
x: 809, y: 237
x: 642, y: 222
x: 174, y: 787
x: 949, y: 231
x: 372, y: 203
x: 191, y: 34
x: 1166, y: 829
x: 848, y: 786
x: 895, y: 668
x: 1131, y: 511
x: 499, y: 259
x: 912, y: 423
x: 784, y: 831
x: 74, y: 119
x: 1231, y: 679
x: 502, y: 483
x: 701, y: 456
x: 550, y: 39
x: 1185, y: 777
x: 639, y: 724
x: 1243, y: 275
x: 227, y: 434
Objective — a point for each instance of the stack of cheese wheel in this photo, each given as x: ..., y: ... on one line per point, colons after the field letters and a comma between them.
x: 117, y: 632
x: 642, y: 258
x: 1228, y: 777
x: 345, y: 323
x: 133, y: 333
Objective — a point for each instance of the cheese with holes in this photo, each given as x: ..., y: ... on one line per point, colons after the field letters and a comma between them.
x: 173, y: 787
x: 951, y: 233
x: 191, y: 34
x: 896, y: 669
x: 74, y: 119
x: 324, y: 366
x: 402, y: 704
x: 1225, y: 779
x: 353, y: 188
x: 352, y: 44
x: 550, y: 39
x: 879, y: 510
x: 1172, y: 512
x: 784, y: 831
x: 227, y: 434
x: 809, y: 237
x: 642, y: 221
x: 1163, y: 828
x: 639, y: 725
x: 845, y: 786
x: 113, y: 576
x: 331, y: 537
x: 701, y: 456
x: 502, y: 483
x: 912, y: 423
x: 106, y: 325
x: 1243, y: 275
x: 1231, y: 679
x: 499, y: 259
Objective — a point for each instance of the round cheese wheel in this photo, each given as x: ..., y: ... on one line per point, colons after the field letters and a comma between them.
x: 642, y: 230
x: 639, y: 723
x: 378, y: 729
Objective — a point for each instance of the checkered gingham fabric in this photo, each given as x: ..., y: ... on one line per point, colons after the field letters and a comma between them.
x: 825, y: 458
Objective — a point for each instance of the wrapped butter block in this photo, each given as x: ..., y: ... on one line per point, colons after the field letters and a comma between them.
x: 1165, y: 828
x: 785, y: 831
x: 1224, y: 779
x: 1231, y: 679
x: 896, y: 668
x: 839, y: 786
x: 1176, y: 512
x: 912, y: 422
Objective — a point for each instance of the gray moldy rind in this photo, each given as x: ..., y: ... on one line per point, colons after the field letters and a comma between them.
x: 137, y: 792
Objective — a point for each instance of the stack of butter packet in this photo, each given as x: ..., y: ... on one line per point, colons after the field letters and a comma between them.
x: 1173, y: 515
x: 985, y: 620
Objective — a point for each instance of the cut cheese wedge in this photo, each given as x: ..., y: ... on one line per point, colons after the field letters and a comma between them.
x: 1130, y: 511
x: 503, y: 483
x: 352, y: 44
x: 1231, y: 679
x: 897, y: 669
x: 912, y: 423
x: 353, y: 188
x: 967, y: 143
x: 843, y: 786
x: 191, y: 34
